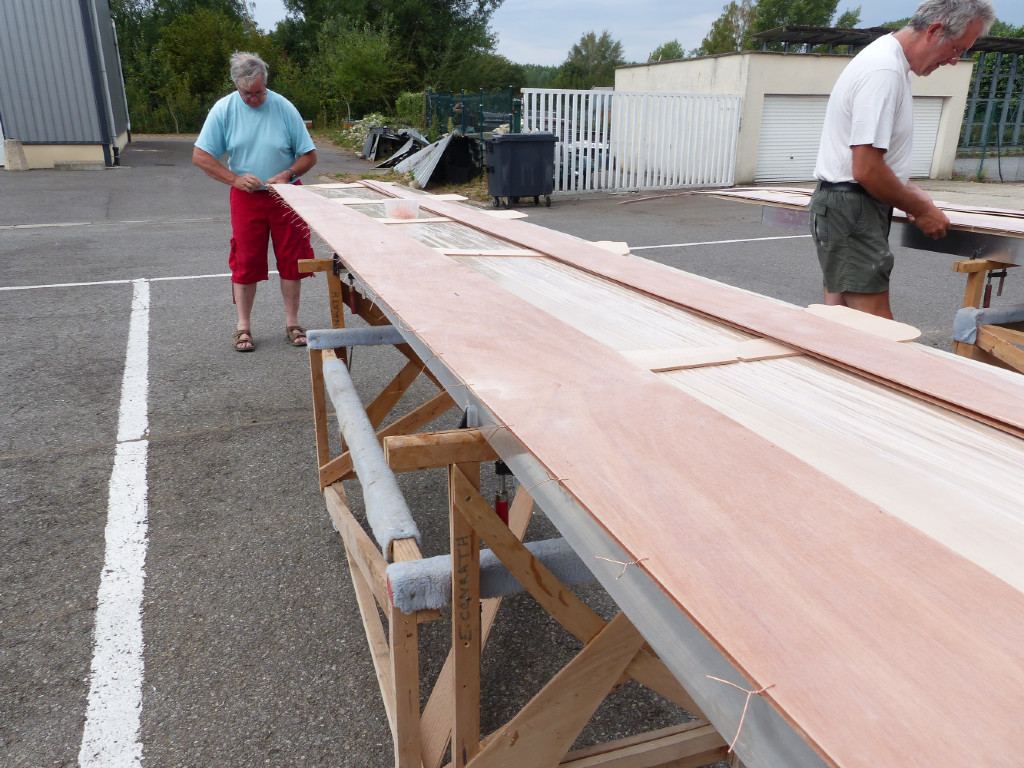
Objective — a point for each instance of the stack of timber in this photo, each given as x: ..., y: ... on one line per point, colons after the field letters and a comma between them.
x: 828, y: 518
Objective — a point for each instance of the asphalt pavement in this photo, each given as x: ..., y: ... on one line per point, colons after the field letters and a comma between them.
x: 254, y: 653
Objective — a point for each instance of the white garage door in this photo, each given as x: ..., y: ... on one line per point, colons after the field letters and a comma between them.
x: 791, y: 130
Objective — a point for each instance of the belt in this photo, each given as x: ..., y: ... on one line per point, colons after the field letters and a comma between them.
x: 842, y: 186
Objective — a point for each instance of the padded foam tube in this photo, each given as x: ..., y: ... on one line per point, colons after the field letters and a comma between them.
x: 417, y: 585
x: 386, y: 511
x: 334, y: 338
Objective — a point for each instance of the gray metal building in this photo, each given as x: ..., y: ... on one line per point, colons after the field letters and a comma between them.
x: 62, y: 98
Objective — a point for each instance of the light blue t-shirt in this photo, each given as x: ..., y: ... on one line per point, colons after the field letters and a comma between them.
x: 261, y: 140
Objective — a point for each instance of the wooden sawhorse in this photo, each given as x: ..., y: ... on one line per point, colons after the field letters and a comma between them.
x: 997, y: 344
x: 542, y: 733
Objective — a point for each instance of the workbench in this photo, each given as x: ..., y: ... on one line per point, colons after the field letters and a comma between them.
x: 990, y: 242
x: 790, y: 508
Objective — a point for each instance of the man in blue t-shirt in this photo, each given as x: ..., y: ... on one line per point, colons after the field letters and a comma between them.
x: 266, y: 142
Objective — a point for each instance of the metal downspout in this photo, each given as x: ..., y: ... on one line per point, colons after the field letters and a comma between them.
x: 107, y: 109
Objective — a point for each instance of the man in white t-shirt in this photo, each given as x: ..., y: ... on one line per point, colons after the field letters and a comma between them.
x: 864, y: 158
x: 266, y: 142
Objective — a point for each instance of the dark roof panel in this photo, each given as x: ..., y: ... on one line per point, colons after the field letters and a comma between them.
x: 803, y: 35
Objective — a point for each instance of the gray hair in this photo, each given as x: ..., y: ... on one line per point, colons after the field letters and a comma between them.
x: 954, y: 15
x: 246, y: 67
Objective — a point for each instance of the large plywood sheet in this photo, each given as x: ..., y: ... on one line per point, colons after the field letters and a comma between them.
x: 873, y: 640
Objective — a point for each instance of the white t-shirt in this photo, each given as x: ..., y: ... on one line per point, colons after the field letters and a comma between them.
x: 871, y: 104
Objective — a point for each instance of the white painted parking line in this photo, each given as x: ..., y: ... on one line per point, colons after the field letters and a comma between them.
x: 59, y: 224
x: 716, y: 242
x: 114, y: 282
x: 113, y: 717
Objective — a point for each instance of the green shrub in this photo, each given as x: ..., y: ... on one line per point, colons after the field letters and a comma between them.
x: 411, y: 110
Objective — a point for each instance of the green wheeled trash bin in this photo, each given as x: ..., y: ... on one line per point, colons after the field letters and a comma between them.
x: 520, y: 165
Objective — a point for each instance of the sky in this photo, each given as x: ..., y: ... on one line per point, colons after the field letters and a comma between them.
x: 543, y: 31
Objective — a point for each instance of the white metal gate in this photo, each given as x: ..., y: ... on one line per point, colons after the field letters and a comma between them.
x: 614, y: 140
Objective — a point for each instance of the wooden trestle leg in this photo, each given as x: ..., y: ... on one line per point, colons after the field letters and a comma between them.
x: 542, y: 733
x: 996, y: 345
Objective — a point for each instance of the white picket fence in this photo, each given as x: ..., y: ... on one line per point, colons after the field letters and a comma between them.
x: 622, y: 141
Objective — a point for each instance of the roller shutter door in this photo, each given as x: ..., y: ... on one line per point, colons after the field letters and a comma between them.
x: 927, y: 111
x: 791, y: 130
x: 790, y: 133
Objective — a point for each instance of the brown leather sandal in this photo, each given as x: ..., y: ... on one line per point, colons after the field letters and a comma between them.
x: 296, y: 332
x: 244, y: 337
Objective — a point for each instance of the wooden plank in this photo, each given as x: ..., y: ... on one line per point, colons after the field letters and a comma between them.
x: 542, y: 732
x: 381, y: 406
x: 315, y: 265
x: 553, y: 596
x: 405, y: 696
x: 466, y: 641
x: 750, y: 350
x: 508, y: 252
x: 969, y: 266
x: 420, y: 416
x: 660, y: 360
x: 432, y: 450
x: 367, y: 555
x: 424, y: 220
x: 962, y: 217
x: 1002, y: 344
x: 749, y: 556
x: 614, y: 246
x: 336, y: 300
x: 380, y: 650
x: 323, y: 440
x: 690, y: 745
x: 970, y: 391
x: 436, y: 721
x: 650, y: 671
x: 863, y: 321
x: 557, y: 599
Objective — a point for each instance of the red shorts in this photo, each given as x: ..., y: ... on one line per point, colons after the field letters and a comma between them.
x: 257, y: 218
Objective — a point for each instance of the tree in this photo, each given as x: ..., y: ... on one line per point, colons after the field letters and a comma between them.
x: 728, y: 31
x: 742, y: 19
x: 591, y: 61
x: 426, y: 33
x: 769, y: 14
x: 1002, y: 29
x: 669, y: 51
x: 474, y: 70
x: 849, y: 19
x: 164, y: 46
x: 358, y: 67
x: 539, y: 76
x: 195, y: 50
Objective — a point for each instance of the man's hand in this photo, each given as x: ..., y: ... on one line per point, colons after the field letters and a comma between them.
x: 928, y: 218
x: 871, y: 172
x: 933, y: 223
x: 212, y: 167
x: 247, y: 183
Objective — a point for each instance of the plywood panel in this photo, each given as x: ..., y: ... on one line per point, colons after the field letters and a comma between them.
x: 871, y: 634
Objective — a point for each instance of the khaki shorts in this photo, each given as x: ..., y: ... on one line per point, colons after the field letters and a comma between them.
x: 851, y: 232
